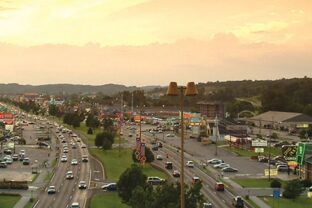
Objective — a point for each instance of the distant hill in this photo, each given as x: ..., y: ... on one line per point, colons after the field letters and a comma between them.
x: 107, y: 89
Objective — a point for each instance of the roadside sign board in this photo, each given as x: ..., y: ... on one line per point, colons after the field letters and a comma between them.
x: 273, y: 172
x: 259, y: 150
x: 289, y: 152
x: 259, y: 143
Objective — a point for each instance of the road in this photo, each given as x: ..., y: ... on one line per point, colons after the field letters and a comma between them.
x: 67, y: 190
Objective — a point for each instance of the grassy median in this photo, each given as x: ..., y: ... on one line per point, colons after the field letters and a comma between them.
x: 256, y: 182
x: 115, y: 164
x: 300, y: 202
x: 8, y: 201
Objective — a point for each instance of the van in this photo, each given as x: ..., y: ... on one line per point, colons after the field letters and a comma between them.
x: 219, y: 186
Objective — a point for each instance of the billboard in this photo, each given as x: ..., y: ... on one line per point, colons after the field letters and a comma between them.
x: 289, y: 152
x: 259, y: 143
x: 6, y: 116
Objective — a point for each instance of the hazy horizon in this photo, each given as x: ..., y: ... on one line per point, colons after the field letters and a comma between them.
x: 153, y: 42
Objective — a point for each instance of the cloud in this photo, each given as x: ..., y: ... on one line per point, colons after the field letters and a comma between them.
x: 223, y: 57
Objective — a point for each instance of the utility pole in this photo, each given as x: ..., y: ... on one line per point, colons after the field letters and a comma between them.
x: 217, y: 133
x: 132, y: 103
x: 120, y: 122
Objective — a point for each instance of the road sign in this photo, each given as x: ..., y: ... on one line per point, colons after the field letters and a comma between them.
x: 143, y: 158
x: 276, y: 193
x: 273, y: 172
x: 259, y: 143
x: 259, y: 150
x: 289, y: 152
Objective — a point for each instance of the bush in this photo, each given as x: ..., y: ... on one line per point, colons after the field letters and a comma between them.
x: 293, y: 189
x: 276, y: 184
x: 14, y: 185
x: 90, y: 131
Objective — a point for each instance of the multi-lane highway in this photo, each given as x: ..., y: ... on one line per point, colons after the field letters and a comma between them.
x: 67, y: 190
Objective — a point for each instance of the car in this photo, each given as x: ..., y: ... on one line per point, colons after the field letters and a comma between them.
x: 83, y: 146
x: 74, y: 162
x: 282, y: 168
x: 155, y: 147
x: 8, y: 160
x: 75, y: 205
x: 159, y: 144
x: 69, y: 175
x: 190, y: 164
x: 26, y: 161
x: 221, y: 165
x: 130, y: 135
x: 159, y: 157
x: 82, y: 185
x: 238, y: 202
x: 168, y: 165
x: 65, y: 150
x: 176, y: 174
x: 215, y: 161
x: 3, y: 165
x: 7, y: 151
x: 207, y: 205
x: 263, y: 159
x: 219, y: 186
x: 64, y: 158
x: 169, y: 135
x: 109, y: 187
x: 154, y: 180
x: 195, y: 179
x: 63, y: 141
x: 229, y: 169
x: 51, y: 190
x: 84, y: 158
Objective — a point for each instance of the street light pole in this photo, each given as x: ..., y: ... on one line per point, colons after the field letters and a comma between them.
x: 189, y: 90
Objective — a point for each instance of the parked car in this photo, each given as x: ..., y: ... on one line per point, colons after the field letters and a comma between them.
x: 219, y: 186
x: 282, y: 168
x: 15, y: 157
x: 82, y: 185
x: 110, y: 187
x: 207, y: 205
x: 229, y: 169
x: 3, y: 165
x: 168, y: 165
x: 51, y: 190
x: 215, y: 161
x: 190, y: 164
x: 154, y: 180
x: 263, y: 159
x: 176, y: 173
x: 221, y: 165
x: 155, y: 147
x: 26, y: 161
x: 169, y: 135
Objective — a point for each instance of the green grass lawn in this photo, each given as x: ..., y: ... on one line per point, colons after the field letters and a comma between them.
x: 249, y: 153
x: 256, y: 183
x: 115, y: 165
x: 107, y: 200
x: 301, y: 202
x: 8, y: 201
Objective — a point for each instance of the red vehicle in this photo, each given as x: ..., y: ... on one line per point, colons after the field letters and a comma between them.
x: 219, y: 186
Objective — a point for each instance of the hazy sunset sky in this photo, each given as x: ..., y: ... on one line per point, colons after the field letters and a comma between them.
x: 151, y: 42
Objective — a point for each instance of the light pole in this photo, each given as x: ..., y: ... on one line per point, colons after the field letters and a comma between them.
x: 175, y: 90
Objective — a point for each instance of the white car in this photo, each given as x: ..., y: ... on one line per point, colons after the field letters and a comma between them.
x: 221, y: 165
x: 159, y: 157
x: 82, y: 185
x: 74, y: 162
x: 75, y: 205
x: 170, y: 135
x: 69, y: 174
x: 190, y: 164
x: 215, y: 161
x: 83, y: 146
x: 51, y: 190
x: 64, y: 158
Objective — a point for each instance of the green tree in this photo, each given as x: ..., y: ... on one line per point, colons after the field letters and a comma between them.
x: 105, y: 140
x: 293, y: 189
x: 193, y: 197
x: 92, y: 121
x: 276, y: 184
x: 90, y: 131
x: 129, y: 180
x: 108, y: 125
x: 142, y: 197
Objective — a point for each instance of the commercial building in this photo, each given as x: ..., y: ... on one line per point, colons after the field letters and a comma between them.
x: 211, y: 109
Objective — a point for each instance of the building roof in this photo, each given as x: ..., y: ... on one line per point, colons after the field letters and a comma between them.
x: 278, y: 116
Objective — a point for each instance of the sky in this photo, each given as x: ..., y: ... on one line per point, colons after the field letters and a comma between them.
x: 153, y: 42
